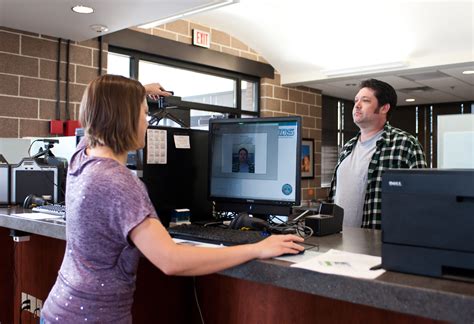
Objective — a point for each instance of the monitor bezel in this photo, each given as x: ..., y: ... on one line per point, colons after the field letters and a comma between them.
x: 258, y: 206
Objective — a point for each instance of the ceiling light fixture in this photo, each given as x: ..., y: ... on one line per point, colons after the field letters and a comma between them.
x: 410, y: 100
x: 468, y: 72
x: 99, y: 28
x: 187, y: 13
x: 364, y: 69
x: 82, y: 9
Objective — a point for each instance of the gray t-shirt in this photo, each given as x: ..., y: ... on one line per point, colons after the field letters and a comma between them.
x: 352, y: 180
x: 96, y: 282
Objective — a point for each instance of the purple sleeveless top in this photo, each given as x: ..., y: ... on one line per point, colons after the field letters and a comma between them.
x: 96, y: 282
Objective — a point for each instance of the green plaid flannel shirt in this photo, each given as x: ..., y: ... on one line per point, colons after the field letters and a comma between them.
x: 396, y: 149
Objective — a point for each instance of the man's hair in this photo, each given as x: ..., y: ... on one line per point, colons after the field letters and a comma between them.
x: 384, y: 93
x: 244, y: 149
x: 110, y: 111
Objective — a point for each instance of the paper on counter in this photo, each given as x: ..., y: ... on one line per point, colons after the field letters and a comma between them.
x: 37, y: 216
x: 343, y: 263
x: 196, y: 243
x: 299, y: 257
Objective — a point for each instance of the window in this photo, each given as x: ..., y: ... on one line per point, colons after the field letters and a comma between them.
x: 118, y: 64
x: 337, y: 128
x: 249, y: 95
x: 205, y: 92
x: 189, y: 85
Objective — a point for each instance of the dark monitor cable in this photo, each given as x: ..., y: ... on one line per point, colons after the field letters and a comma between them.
x: 29, y: 148
x: 277, y: 224
x: 296, y: 226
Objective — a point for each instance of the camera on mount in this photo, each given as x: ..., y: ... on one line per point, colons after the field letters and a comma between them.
x: 163, y: 103
x: 45, y: 154
x: 48, y: 144
x: 161, y: 108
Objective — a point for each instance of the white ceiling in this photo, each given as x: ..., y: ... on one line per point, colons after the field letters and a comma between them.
x: 305, y: 39
x: 431, y: 42
x: 55, y: 17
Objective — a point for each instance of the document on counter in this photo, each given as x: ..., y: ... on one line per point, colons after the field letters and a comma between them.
x: 343, y: 263
x: 196, y: 243
x: 298, y: 257
x: 37, y: 216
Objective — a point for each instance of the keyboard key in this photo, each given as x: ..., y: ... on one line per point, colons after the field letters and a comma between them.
x: 53, y: 209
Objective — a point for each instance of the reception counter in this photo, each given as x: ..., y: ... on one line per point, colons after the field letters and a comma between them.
x: 262, y: 291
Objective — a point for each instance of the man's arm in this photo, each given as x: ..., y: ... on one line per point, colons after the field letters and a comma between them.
x: 417, y: 157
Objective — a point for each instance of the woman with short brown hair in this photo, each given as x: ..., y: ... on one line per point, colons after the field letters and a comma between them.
x: 111, y: 218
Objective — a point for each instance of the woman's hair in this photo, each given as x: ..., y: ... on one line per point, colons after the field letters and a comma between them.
x: 110, y: 111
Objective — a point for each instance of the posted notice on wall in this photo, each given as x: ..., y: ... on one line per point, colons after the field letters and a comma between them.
x: 156, y: 148
x: 182, y: 141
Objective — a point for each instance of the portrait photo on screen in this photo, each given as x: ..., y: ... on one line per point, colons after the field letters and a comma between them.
x: 243, y: 158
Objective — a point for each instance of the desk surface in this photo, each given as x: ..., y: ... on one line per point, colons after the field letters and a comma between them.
x: 417, y: 295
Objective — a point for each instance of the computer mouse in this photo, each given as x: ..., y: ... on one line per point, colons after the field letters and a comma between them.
x: 290, y: 254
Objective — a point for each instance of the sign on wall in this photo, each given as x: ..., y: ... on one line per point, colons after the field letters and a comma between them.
x: 201, y: 38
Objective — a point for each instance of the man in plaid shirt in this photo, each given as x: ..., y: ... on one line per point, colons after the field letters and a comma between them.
x: 357, y: 182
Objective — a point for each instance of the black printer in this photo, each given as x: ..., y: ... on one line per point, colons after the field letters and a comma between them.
x: 428, y: 222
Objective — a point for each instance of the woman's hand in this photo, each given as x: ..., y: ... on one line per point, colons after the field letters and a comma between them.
x: 276, y: 245
x: 155, y: 90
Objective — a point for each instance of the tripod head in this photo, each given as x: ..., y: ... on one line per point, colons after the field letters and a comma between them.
x: 159, y: 109
x: 48, y: 145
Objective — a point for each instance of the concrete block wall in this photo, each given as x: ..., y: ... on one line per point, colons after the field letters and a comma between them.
x: 28, y: 80
x: 28, y: 84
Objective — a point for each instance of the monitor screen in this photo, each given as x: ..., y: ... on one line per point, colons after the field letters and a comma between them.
x: 39, y: 183
x: 254, y: 163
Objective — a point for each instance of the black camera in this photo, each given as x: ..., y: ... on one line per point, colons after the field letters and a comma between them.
x: 160, y: 103
x: 160, y: 108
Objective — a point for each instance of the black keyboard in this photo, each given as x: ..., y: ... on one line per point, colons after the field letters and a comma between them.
x: 216, y: 235
x: 53, y: 209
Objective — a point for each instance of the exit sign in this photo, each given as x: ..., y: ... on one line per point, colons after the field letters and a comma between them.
x: 201, y: 38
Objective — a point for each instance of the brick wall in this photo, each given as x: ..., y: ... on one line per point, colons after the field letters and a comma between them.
x: 28, y: 72
x: 278, y: 100
x: 28, y: 80
x: 275, y: 99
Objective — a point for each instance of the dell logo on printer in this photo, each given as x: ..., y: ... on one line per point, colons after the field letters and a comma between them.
x: 395, y: 183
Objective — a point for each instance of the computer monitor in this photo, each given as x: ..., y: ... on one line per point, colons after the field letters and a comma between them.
x: 254, y: 165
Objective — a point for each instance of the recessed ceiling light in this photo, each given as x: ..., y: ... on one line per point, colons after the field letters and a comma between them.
x: 99, y: 28
x: 410, y: 100
x: 468, y: 72
x: 82, y: 9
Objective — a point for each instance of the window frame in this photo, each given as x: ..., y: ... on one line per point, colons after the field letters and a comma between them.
x: 237, y: 111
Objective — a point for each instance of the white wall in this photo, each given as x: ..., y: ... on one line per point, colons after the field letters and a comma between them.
x: 456, y: 141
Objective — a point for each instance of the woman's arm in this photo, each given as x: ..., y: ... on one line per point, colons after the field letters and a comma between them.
x: 152, y: 239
